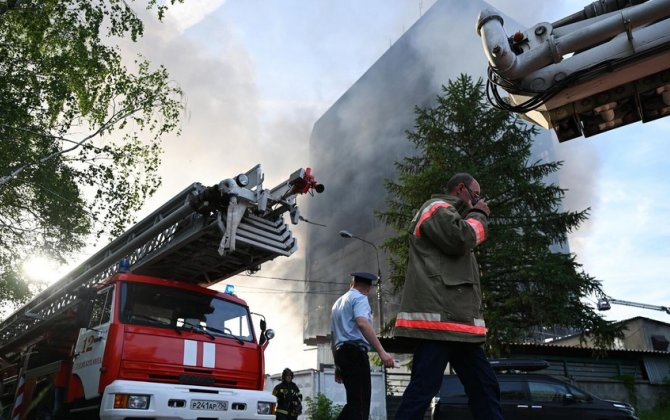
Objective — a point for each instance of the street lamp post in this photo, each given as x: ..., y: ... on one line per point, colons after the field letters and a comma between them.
x: 347, y: 235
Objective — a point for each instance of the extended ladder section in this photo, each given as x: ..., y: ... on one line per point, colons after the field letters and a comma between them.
x: 201, y: 236
x: 604, y: 304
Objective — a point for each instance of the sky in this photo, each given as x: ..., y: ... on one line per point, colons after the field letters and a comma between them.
x: 257, y: 74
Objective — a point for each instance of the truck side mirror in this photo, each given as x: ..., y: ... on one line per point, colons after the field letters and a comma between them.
x: 266, y: 336
x: 263, y: 338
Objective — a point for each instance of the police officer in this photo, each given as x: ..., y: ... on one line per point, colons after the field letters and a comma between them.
x: 289, y: 398
x: 352, y: 335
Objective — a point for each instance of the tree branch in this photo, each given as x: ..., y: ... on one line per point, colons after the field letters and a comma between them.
x: 111, y: 122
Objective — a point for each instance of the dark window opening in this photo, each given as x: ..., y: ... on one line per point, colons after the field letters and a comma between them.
x: 659, y: 342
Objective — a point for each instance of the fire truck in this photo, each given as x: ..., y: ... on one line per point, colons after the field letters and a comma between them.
x: 598, y: 69
x: 135, y: 333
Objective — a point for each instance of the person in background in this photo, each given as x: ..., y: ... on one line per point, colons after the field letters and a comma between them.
x: 289, y: 398
x: 352, y: 335
x: 441, y: 305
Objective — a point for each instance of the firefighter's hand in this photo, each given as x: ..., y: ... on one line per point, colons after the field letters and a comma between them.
x: 338, y: 375
x: 387, y: 360
x: 483, y: 207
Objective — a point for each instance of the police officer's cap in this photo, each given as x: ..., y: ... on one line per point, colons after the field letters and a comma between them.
x: 364, y: 277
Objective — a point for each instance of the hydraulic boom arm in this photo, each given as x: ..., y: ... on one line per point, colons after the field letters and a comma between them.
x: 593, y: 71
x: 605, y: 304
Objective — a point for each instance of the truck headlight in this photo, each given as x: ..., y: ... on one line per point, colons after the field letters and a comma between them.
x: 265, y: 407
x: 132, y: 401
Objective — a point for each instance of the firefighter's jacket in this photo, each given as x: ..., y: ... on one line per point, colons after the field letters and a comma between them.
x: 441, y: 298
x: 289, y: 399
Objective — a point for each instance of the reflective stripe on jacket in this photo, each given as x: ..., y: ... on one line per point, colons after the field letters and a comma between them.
x: 441, y: 298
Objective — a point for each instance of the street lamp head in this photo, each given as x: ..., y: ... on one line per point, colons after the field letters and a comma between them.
x: 345, y: 234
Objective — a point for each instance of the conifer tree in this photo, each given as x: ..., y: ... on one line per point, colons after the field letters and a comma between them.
x: 530, y: 282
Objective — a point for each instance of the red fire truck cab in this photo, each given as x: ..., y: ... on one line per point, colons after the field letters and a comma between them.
x: 141, y: 347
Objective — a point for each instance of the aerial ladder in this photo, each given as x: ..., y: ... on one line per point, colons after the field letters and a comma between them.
x: 605, y: 304
x: 593, y: 71
x: 201, y: 236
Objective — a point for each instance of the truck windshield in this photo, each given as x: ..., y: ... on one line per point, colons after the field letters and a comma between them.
x: 166, y: 307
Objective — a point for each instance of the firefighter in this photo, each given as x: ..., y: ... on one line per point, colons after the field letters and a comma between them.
x: 289, y: 398
x: 441, y: 305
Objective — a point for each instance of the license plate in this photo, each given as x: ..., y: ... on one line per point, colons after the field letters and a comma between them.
x: 209, y: 405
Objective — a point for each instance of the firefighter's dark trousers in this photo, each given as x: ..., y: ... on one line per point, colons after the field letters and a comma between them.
x: 474, y: 371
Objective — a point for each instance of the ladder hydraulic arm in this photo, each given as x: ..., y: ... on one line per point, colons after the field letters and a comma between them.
x: 590, y: 72
x: 201, y: 236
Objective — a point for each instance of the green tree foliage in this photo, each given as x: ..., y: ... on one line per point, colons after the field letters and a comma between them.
x: 72, y: 161
x: 322, y: 408
x: 527, y: 288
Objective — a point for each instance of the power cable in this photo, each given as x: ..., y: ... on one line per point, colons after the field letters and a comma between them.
x: 271, y: 291
x: 286, y: 279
